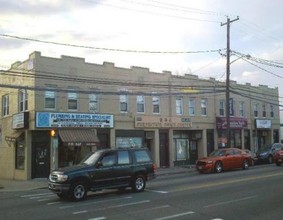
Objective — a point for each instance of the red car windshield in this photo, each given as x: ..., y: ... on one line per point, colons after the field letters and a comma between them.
x: 217, y: 153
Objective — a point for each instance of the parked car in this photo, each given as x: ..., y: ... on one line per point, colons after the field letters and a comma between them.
x: 253, y: 156
x: 104, y: 169
x: 224, y: 159
x: 266, y: 153
x: 278, y: 157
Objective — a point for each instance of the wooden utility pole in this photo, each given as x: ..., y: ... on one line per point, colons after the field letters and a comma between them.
x: 228, y: 109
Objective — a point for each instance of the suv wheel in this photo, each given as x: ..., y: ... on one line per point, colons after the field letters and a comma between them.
x: 138, y: 184
x: 78, y: 191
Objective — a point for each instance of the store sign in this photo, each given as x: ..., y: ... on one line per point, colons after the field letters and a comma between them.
x: 126, y: 142
x: 71, y: 120
x: 20, y: 120
x: 263, y: 123
x: 235, y: 123
x: 162, y: 122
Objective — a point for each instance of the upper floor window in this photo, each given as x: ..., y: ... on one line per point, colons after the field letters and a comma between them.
x: 222, y: 108
x: 93, y: 103
x: 123, y: 103
x: 50, y: 99
x: 140, y: 104
x: 179, y: 106
x: 72, y: 101
x: 256, y: 109
x: 272, y: 111
x: 23, y: 100
x: 5, y: 105
x: 263, y: 110
x: 192, y: 106
x: 156, y: 104
x: 203, y: 107
x: 242, y: 109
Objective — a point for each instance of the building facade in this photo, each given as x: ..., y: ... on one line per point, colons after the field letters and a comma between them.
x: 54, y: 111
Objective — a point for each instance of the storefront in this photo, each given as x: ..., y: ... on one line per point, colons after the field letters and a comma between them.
x: 236, y: 131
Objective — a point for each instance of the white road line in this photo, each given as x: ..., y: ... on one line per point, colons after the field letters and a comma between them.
x: 33, y: 195
x: 79, y: 212
x: 95, y: 202
x: 43, y: 196
x: 53, y: 203
x: 99, y: 218
x: 157, y: 191
x: 231, y: 201
x: 128, y: 204
x: 175, y: 216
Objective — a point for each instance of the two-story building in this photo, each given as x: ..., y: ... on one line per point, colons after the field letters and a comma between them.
x: 54, y: 111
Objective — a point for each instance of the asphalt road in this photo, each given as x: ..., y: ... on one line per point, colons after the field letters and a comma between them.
x: 255, y: 193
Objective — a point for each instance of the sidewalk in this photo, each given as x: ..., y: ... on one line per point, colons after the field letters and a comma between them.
x: 41, y: 183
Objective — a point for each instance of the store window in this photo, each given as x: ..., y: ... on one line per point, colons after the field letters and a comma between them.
x: 181, y: 149
x: 192, y: 106
x: 156, y: 104
x: 93, y: 103
x: 263, y: 110
x: 23, y: 100
x: 140, y: 104
x: 123, y: 103
x: 179, y: 105
x: 50, y: 100
x: 20, y: 156
x: 72, y: 101
x: 5, y: 105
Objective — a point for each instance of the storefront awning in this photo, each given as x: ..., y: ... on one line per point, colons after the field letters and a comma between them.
x: 78, y: 137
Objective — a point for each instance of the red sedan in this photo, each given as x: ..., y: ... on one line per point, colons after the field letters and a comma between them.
x: 224, y: 159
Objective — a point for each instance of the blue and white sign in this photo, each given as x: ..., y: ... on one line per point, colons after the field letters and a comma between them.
x: 70, y: 120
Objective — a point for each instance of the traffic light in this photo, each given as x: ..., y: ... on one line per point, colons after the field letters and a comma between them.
x: 52, y: 133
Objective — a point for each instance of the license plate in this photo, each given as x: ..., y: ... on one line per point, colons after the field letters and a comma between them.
x: 279, y: 160
x: 199, y: 167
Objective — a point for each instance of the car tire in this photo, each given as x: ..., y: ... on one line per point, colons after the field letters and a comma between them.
x: 245, y: 164
x: 138, y: 183
x: 270, y: 159
x: 78, y: 191
x: 218, y: 168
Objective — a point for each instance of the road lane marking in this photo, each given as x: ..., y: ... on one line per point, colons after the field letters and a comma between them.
x: 39, y: 194
x: 157, y: 191
x: 231, y: 201
x: 80, y: 212
x: 128, y: 204
x: 53, y: 203
x: 176, y: 215
x: 99, y: 218
x: 207, y: 185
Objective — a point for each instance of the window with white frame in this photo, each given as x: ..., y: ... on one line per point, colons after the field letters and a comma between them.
x: 222, y: 108
x: 241, y: 109
x: 23, y: 100
x: 192, y: 106
x: 72, y: 101
x: 264, y: 110
x: 5, y: 105
x: 156, y: 104
x: 203, y: 107
x: 179, y: 105
x: 255, y: 109
x: 272, y: 111
x: 123, y: 103
x: 50, y: 99
x: 140, y: 104
x: 93, y: 103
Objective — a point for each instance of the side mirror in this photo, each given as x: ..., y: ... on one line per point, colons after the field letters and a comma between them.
x: 98, y: 164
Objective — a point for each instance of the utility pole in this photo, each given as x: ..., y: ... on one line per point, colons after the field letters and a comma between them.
x: 228, y: 134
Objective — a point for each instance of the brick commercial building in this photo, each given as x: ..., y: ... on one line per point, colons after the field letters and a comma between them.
x: 54, y: 111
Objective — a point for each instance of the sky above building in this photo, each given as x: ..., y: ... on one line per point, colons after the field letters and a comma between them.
x: 184, y: 37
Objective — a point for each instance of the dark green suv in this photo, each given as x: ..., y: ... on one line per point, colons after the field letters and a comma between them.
x: 104, y: 169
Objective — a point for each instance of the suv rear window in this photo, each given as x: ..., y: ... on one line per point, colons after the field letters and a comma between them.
x: 142, y: 156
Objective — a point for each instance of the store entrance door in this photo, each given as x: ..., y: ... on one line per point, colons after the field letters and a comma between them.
x: 41, y: 165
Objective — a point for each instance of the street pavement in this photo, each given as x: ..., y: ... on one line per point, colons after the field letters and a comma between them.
x: 7, y: 185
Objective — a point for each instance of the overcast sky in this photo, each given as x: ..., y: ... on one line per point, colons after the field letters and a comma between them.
x: 191, y: 27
